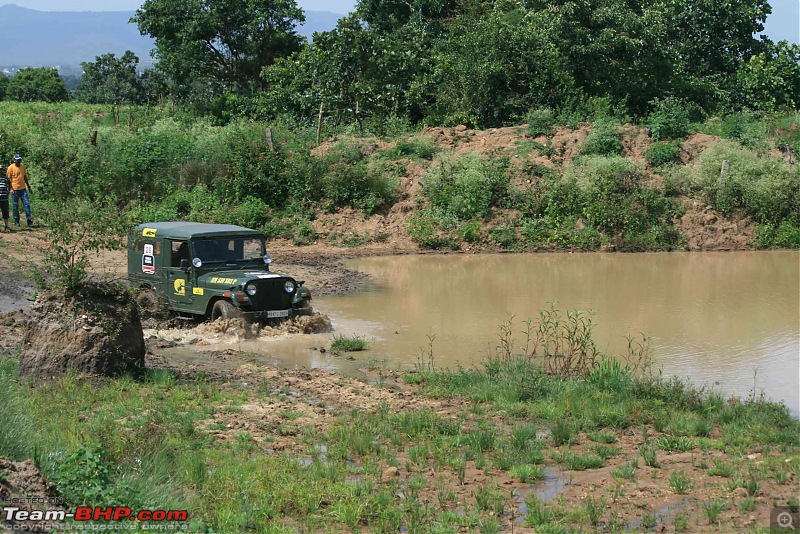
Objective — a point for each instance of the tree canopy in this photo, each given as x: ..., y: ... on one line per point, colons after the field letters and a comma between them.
x: 111, y: 80
x: 224, y: 42
x: 37, y: 85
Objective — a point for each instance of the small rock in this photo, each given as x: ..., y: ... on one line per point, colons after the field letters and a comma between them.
x: 390, y: 472
x: 460, y: 128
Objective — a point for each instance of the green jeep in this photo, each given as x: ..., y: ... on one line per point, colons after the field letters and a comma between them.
x: 211, y: 270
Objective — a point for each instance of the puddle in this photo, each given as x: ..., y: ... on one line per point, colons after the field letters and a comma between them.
x: 553, y: 483
x: 662, y: 515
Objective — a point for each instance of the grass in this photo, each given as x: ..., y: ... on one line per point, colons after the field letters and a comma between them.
x: 577, y: 462
x: 720, y: 469
x: 343, y: 343
x: 166, y: 440
x: 680, y: 482
x: 626, y: 471
x: 649, y: 455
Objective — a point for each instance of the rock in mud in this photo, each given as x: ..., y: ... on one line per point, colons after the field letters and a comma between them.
x: 94, y: 329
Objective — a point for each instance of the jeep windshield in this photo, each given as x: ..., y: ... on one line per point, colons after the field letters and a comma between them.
x: 229, y: 249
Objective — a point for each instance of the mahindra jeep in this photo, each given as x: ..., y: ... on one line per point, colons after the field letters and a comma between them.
x: 211, y: 270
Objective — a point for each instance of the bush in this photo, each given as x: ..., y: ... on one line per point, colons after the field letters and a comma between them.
x: 662, y: 153
x: 360, y: 186
x: 73, y: 231
x: 466, y: 187
x: 669, y: 119
x: 540, y: 122
x: 784, y: 235
x: 426, y: 228
x: 767, y: 190
x: 614, y: 202
x: 603, y: 139
x: 418, y: 147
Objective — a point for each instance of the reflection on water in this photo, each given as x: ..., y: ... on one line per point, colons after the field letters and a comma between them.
x: 725, y: 319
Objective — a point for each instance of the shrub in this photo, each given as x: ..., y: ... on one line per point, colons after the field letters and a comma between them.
x: 669, y: 119
x: 359, y: 186
x: 73, y: 231
x: 603, y: 139
x: 766, y: 189
x: 466, y: 187
x: 540, y: 121
x: 662, y: 153
x: 418, y: 147
x: 784, y: 235
x: 84, y: 478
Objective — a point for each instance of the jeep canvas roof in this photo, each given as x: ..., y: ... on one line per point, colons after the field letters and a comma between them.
x: 187, y: 230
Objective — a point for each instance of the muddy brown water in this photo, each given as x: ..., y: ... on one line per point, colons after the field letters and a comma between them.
x: 727, y: 320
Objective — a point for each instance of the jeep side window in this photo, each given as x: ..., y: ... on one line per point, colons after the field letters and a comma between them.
x: 180, y: 251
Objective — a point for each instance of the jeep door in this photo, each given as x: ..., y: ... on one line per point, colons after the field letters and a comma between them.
x: 178, y: 285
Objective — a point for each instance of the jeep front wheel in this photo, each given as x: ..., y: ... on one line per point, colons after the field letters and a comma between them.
x: 224, y: 309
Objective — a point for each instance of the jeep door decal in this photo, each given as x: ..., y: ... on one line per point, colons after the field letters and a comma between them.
x: 148, y: 260
x: 180, y: 286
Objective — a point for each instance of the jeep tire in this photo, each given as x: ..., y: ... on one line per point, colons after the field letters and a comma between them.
x: 223, y: 308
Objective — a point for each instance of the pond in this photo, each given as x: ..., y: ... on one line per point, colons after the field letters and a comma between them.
x: 727, y: 320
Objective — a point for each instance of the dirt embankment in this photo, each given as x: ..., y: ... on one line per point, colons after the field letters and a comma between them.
x: 702, y: 227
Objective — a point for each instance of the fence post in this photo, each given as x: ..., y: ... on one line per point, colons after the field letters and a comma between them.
x: 270, y: 140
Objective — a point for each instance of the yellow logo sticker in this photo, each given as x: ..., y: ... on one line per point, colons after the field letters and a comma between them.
x: 149, y: 232
x: 180, y: 286
x: 220, y: 280
x: 197, y: 291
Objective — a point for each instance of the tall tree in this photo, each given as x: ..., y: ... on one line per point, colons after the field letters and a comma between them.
x: 37, y: 85
x: 111, y: 80
x: 227, y: 42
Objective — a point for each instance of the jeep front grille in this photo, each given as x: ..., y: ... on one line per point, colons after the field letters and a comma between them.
x: 270, y: 295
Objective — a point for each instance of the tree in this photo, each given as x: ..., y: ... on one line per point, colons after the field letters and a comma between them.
x: 228, y: 42
x: 710, y: 39
x: 771, y: 79
x: 37, y: 85
x: 110, y: 80
x: 493, y: 70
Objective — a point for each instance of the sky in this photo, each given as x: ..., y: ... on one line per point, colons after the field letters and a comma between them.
x: 784, y: 23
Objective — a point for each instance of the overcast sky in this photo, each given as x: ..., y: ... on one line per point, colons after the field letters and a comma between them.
x: 784, y: 23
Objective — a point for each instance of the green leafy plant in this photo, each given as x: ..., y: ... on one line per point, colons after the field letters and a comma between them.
x: 661, y: 153
x: 603, y: 139
x: 73, y: 232
x: 649, y: 455
x: 540, y: 122
x: 84, y: 478
x: 669, y: 119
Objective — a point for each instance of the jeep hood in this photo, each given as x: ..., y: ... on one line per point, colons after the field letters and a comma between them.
x: 230, y: 278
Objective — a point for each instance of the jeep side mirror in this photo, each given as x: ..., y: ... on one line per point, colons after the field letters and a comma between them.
x: 184, y: 263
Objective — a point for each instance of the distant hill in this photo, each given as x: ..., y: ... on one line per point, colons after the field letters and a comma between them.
x: 63, y: 38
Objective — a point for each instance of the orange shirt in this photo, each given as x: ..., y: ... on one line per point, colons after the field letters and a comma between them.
x: 16, y: 172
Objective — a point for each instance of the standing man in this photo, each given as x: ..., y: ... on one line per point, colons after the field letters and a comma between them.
x: 19, y: 189
x: 5, y: 188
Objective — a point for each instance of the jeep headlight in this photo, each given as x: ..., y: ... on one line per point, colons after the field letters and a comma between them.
x: 251, y: 289
x: 288, y: 286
